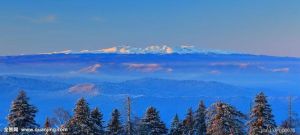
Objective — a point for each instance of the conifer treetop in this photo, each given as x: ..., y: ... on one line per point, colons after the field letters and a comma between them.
x: 261, y: 117
x: 22, y: 113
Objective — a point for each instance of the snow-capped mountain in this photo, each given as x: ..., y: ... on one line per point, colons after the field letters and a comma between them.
x: 153, y: 49
x: 185, y: 49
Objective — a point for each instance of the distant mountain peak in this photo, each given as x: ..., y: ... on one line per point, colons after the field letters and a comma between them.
x: 164, y: 49
x: 85, y: 88
x: 59, y: 52
x: 152, y: 49
x: 159, y: 49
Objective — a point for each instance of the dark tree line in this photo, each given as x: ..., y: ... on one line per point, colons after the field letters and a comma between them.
x: 218, y: 119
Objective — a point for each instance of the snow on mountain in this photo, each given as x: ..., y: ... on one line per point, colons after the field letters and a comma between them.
x: 108, y: 50
x: 59, y: 52
x: 137, y: 50
x: 157, y: 49
x: 87, y: 88
x: 153, y: 49
x: 91, y: 69
x: 185, y: 49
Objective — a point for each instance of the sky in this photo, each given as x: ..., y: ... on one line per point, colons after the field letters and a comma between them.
x: 270, y: 27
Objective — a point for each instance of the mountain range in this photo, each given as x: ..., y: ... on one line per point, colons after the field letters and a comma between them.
x: 172, y: 81
x: 153, y: 49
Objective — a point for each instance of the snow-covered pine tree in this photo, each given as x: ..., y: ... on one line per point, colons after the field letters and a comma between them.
x: 188, y: 123
x: 21, y: 113
x: 261, y: 117
x: 224, y: 119
x: 47, y: 126
x: 114, y: 127
x: 176, y: 126
x: 199, y: 120
x: 80, y: 123
x: 151, y: 124
x: 97, y: 122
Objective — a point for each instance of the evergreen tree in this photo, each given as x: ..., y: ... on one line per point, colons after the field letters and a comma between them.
x: 97, y: 122
x: 115, y: 126
x: 199, y: 122
x: 22, y: 114
x: 176, y: 127
x: 80, y: 123
x: 224, y: 119
x: 188, y: 123
x: 151, y: 123
x: 261, y: 118
x: 47, y: 127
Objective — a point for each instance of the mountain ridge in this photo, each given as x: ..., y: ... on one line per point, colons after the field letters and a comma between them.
x: 155, y: 49
x: 94, y: 57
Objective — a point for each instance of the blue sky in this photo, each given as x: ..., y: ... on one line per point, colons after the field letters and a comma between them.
x: 269, y: 27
